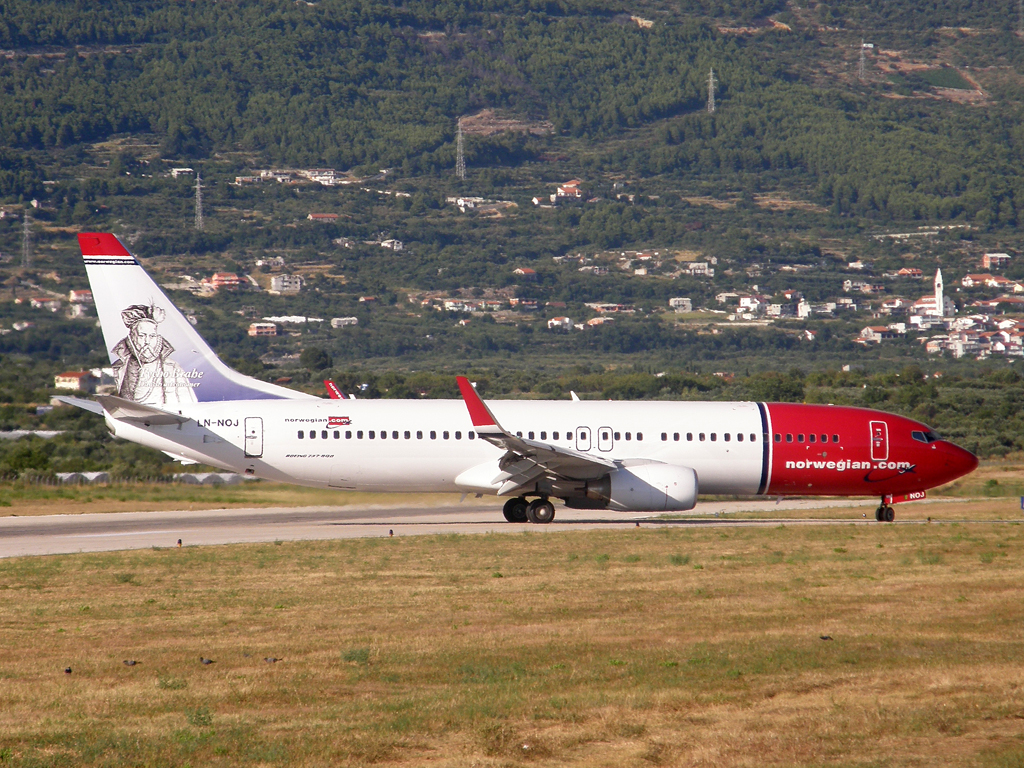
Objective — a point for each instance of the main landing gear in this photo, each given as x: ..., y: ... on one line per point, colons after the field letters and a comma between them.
x: 885, y: 513
x: 519, y: 510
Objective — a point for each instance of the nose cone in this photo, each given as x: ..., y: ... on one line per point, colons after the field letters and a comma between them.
x: 958, y: 461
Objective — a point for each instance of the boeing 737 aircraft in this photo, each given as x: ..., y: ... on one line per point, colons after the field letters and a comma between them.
x: 175, y: 395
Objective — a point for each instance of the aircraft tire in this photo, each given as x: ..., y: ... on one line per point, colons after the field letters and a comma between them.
x: 515, y: 510
x: 889, y: 514
x: 540, y: 511
x: 880, y: 514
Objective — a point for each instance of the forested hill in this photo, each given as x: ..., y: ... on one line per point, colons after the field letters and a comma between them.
x: 363, y: 85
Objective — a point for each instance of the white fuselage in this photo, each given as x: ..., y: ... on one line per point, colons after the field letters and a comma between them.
x: 418, y: 445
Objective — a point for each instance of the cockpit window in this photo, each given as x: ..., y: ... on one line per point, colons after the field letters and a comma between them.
x: 925, y: 437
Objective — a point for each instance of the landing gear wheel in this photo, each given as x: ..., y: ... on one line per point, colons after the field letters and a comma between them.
x: 515, y: 510
x: 540, y: 511
x: 880, y: 514
x: 889, y: 514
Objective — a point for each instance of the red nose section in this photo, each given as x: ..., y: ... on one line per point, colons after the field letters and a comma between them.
x: 958, y: 461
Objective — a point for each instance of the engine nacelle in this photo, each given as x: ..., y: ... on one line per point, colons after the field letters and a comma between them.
x: 643, y: 488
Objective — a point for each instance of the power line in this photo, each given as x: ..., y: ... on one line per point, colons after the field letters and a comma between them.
x: 460, y: 155
x: 712, y: 82
x: 199, y: 200
x: 26, y: 242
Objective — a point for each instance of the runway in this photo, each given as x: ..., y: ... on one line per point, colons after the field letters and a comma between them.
x: 63, y: 534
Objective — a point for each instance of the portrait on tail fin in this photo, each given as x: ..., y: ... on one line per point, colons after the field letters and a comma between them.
x: 144, y: 369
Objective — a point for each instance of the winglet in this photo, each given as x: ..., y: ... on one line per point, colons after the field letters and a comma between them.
x: 333, y: 391
x: 479, y: 413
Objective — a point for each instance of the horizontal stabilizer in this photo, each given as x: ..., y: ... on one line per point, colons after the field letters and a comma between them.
x: 85, y: 405
x: 127, y: 410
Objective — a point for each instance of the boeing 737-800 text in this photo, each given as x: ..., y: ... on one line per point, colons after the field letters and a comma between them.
x: 175, y: 395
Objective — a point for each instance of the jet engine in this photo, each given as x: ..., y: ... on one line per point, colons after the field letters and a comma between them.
x: 641, y: 488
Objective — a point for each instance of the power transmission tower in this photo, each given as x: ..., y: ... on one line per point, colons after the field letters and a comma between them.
x: 26, y: 243
x: 199, y: 200
x: 712, y: 82
x: 460, y: 155
x: 860, y: 66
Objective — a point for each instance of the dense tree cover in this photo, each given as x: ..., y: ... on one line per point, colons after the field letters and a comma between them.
x: 350, y: 83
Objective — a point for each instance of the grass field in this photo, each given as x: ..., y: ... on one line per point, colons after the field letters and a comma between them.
x: 609, y: 648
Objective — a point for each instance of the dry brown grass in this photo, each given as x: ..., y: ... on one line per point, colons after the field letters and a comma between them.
x: 639, y: 647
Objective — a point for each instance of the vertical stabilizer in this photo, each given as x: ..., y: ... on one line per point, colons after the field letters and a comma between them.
x: 158, y: 357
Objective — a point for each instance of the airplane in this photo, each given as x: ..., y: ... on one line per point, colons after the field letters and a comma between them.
x: 175, y: 395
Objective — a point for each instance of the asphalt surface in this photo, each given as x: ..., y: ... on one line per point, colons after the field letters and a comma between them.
x: 62, y: 534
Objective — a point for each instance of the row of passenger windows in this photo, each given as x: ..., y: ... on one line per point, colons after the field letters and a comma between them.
x: 810, y: 438
x: 383, y: 434
x: 605, y: 436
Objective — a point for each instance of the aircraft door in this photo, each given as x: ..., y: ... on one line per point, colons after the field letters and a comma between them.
x: 253, y: 437
x: 879, y: 441
x: 582, y: 438
x: 605, y: 439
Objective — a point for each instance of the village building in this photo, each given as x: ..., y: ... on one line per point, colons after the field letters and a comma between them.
x: 560, y: 324
x: 342, y: 322
x: 286, y: 283
x: 995, y: 260
x: 80, y: 381
x: 262, y: 329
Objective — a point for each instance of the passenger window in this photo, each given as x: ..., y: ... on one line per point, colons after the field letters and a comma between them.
x: 359, y: 434
x: 445, y: 434
x: 739, y: 437
x: 639, y: 435
x: 618, y: 435
x: 372, y: 434
x: 471, y: 435
x: 675, y: 436
x: 323, y: 435
x: 407, y: 434
x: 778, y: 438
x: 519, y: 434
x: 714, y: 437
x: 835, y: 438
x: 394, y: 435
x: 301, y: 434
x: 689, y: 437
x: 554, y: 435
x: 312, y: 434
x: 812, y: 438
x: 383, y: 434
x: 605, y: 435
x: 664, y: 436
x: 530, y: 435
x: 799, y: 438
x: 629, y: 435
x: 824, y: 438
x: 419, y: 434
x: 789, y: 438
x: 458, y: 435
x: 348, y: 434
x: 726, y: 437
x: 701, y: 437
x: 337, y: 435
x: 543, y: 435
x: 433, y: 435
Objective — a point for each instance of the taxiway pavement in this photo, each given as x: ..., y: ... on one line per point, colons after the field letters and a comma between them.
x: 63, y: 534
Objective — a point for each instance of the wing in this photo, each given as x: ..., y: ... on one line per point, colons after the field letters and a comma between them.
x: 526, y: 460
